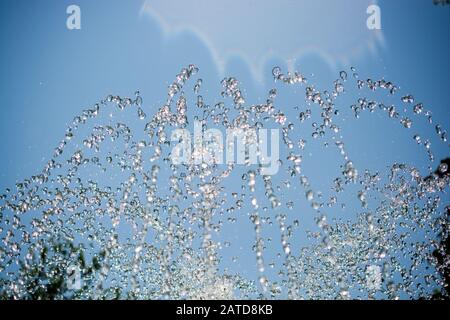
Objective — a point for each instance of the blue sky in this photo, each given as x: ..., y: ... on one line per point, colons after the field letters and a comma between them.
x: 50, y: 73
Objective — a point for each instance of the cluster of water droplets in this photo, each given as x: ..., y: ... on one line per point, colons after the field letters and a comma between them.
x: 112, y: 207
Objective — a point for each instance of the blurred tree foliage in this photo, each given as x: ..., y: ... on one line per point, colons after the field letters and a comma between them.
x: 47, y: 275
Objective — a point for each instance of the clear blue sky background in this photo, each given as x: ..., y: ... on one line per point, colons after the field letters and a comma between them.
x: 49, y: 74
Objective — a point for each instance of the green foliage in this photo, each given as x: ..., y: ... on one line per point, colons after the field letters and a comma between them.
x: 45, y: 275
